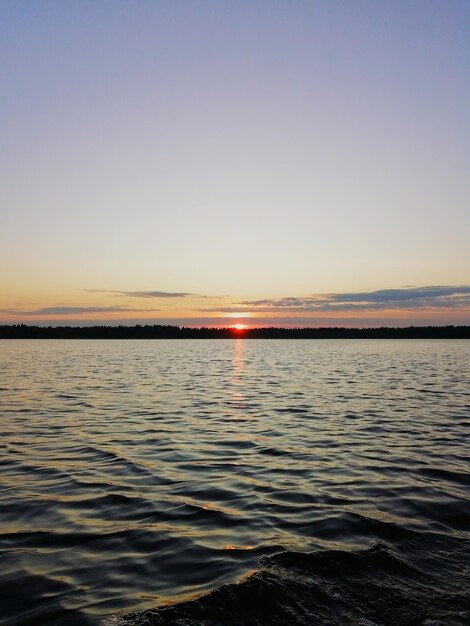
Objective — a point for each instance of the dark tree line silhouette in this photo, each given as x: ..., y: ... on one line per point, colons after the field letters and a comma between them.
x: 24, y: 331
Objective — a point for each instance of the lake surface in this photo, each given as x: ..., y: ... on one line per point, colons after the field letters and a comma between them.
x: 289, y: 482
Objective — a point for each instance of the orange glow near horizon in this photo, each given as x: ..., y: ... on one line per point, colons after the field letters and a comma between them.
x: 92, y: 308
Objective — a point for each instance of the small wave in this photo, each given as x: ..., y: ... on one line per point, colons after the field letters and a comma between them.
x: 461, y: 478
x: 47, y: 604
x: 369, y: 587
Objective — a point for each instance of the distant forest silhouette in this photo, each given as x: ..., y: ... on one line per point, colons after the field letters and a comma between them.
x: 24, y: 331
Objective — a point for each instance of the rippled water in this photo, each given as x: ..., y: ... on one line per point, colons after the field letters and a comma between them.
x: 328, y: 479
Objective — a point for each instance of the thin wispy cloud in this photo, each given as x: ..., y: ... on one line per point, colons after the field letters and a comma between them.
x: 145, y: 294
x: 417, y: 294
x: 75, y: 310
x: 415, y: 298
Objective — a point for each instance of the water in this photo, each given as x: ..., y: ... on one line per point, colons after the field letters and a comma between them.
x: 288, y: 482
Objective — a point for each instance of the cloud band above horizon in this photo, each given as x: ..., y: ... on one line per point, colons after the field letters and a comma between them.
x: 416, y: 298
x: 443, y: 304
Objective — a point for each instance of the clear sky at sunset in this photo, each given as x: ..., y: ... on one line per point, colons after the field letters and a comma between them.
x: 208, y: 162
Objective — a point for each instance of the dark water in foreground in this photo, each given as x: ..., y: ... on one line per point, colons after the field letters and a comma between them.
x: 289, y: 482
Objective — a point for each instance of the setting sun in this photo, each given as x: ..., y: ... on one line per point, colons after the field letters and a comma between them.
x: 239, y: 326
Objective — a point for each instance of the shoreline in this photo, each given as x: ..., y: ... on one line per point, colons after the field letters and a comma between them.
x: 24, y: 331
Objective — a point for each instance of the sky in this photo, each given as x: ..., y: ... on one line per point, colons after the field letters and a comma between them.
x: 297, y: 163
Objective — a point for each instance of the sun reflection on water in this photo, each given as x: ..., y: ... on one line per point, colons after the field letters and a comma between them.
x: 238, y: 398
